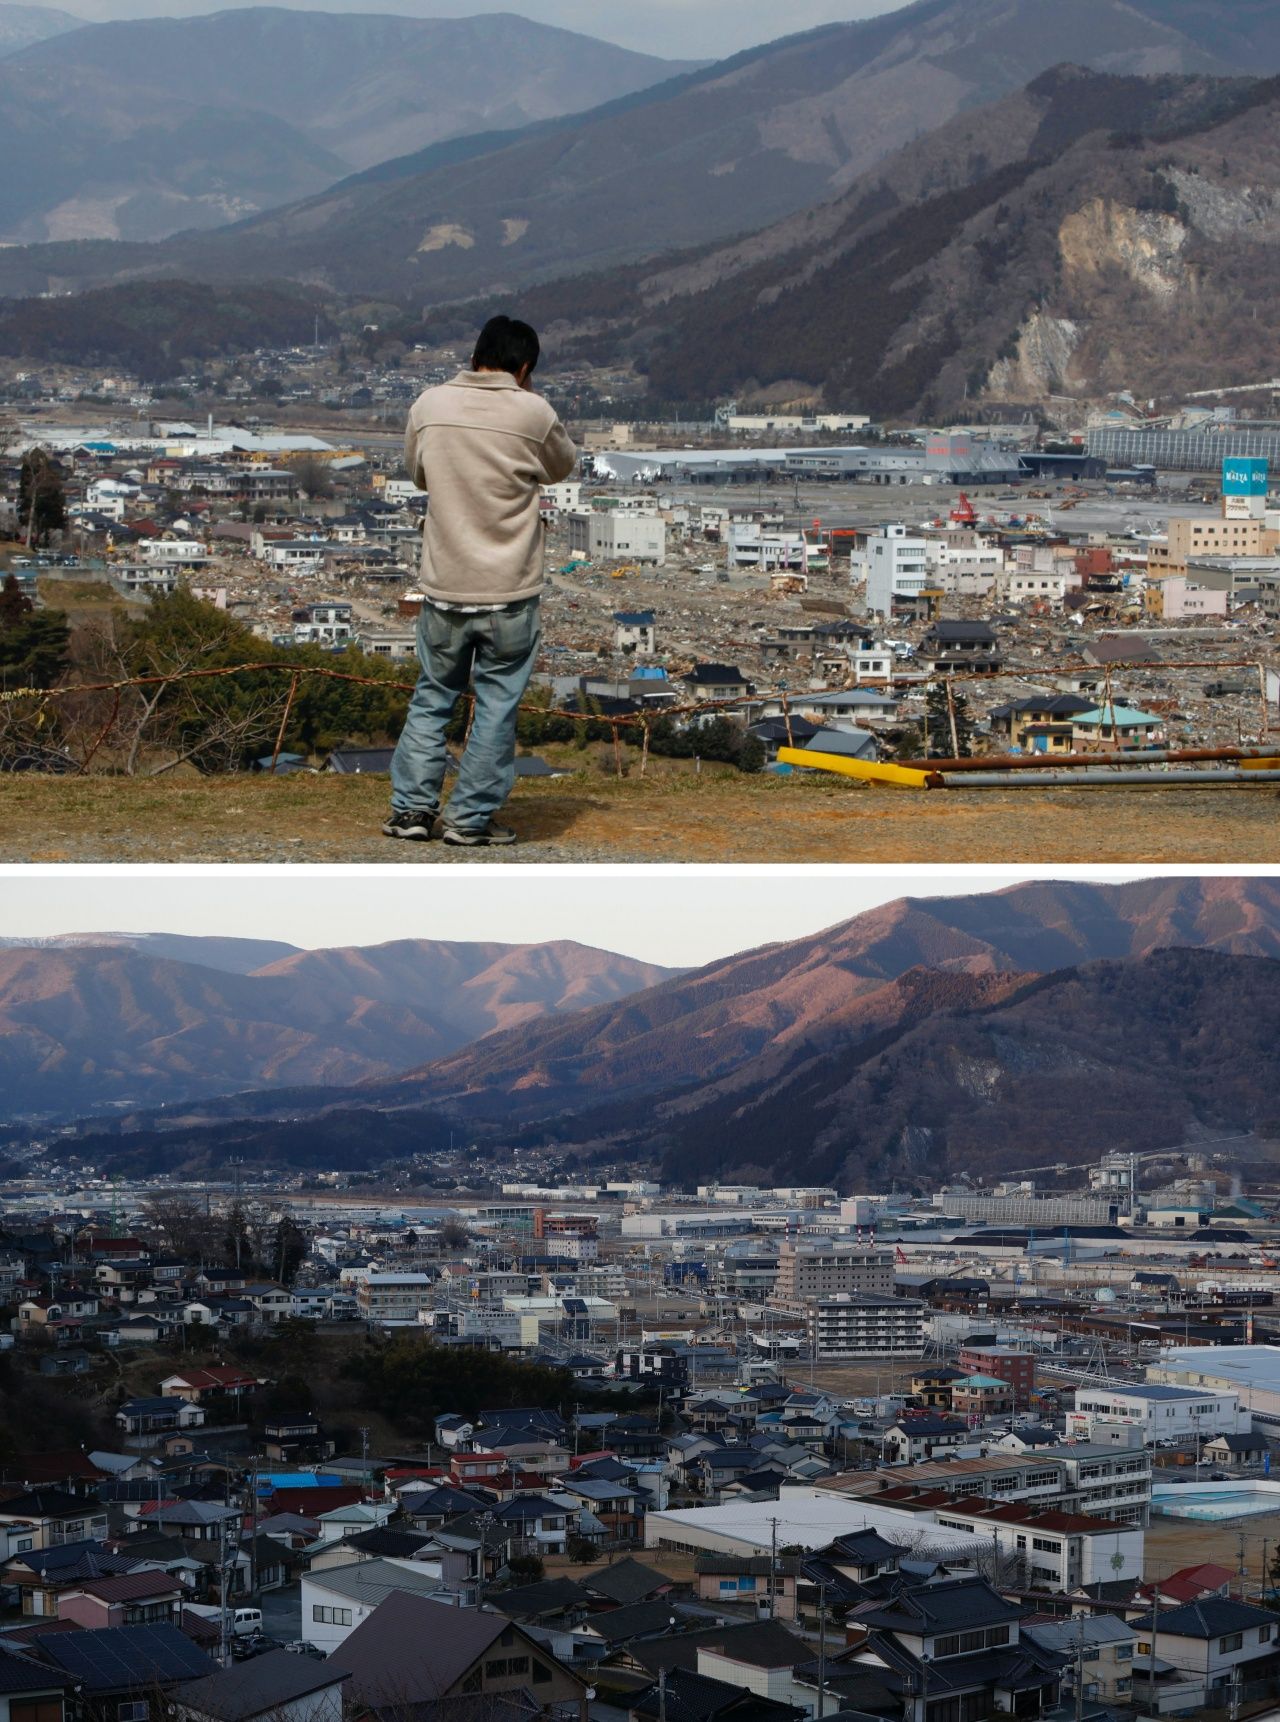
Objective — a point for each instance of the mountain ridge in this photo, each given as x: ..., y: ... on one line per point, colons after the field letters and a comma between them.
x: 732, y: 152
x: 86, y: 1026
x: 112, y: 136
x: 614, y: 1078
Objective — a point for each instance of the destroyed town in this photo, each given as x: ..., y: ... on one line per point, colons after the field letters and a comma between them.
x: 816, y: 598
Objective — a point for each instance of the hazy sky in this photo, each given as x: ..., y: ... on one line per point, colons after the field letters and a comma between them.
x: 675, y: 29
x: 678, y: 916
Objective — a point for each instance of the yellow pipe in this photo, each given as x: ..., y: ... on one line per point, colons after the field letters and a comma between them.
x: 1258, y: 764
x: 866, y: 771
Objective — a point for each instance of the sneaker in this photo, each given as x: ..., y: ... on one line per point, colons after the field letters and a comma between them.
x: 489, y: 834
x: 414, y: 825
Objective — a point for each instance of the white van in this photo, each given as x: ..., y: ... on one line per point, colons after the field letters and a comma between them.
x: 246, y: 1621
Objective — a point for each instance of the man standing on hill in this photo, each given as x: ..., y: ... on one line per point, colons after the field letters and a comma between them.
x: 482, y: 446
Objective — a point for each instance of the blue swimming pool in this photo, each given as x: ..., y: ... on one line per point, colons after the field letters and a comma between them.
x: 1215, y: 1501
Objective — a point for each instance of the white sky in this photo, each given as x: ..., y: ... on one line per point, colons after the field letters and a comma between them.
x: 681, y: 917
x: 674, y: 29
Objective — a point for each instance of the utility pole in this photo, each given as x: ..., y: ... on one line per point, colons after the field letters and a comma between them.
x: 773, y: 1566
x: 1155, y: 1638
x: 1080, y: 1671
x: 224, y: 1637
x: 662, y: 1695
x: 822, y: 1651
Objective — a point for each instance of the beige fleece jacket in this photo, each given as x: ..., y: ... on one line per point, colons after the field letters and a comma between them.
x: 482, y: 447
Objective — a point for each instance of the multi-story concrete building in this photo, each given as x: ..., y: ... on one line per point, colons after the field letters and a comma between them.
x: 897, y: 570
x: 865, y: 1326
x: 391, y: 1300
x: 1006, y: 1363
x: 1164, y: 1414
x: 623, y: 533
x: 1208, y: 535
x: 820, y: 1269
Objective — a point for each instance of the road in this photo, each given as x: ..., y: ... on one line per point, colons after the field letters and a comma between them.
x: 282, y: 1613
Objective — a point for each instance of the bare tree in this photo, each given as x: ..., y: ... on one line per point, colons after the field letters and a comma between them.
x: 170, y: 721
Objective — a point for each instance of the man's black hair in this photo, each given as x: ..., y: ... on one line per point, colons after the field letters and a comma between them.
x: 506, y: 345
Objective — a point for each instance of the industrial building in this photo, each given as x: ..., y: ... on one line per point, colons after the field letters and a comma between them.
x: 1251, y: 1372
x: 1030, y: 1210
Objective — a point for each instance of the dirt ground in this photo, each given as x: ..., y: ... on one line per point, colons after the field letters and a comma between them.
x: 1175, y: 1543
x: 597, y: 819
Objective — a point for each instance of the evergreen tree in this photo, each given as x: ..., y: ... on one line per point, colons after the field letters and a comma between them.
x: 42, y: 505
x: 289, y: 1250
x: 33, y: 643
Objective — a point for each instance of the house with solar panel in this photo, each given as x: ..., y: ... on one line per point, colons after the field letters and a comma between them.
x: 123, y: 1673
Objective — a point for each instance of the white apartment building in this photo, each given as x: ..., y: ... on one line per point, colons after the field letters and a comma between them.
x: 897, y: 569
x: 1163, y: 1414
x: 1057, y: 1550
x: 862, y: 1326
x: 394, y: 1300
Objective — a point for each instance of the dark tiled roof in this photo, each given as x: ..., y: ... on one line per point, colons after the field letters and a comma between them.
x: 23, y: 1674
x: 528, y: 1601
x: 690, y: 1697
x: 409, y: 1651
x: 1208, y: 1618
x: 639, y: 1620
x: 626, y: 1581
x: 261, y: 1683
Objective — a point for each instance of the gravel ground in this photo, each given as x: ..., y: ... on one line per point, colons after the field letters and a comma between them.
x: 595, y: 820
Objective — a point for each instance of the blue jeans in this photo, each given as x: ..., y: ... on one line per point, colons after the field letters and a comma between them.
x: 494, y: 651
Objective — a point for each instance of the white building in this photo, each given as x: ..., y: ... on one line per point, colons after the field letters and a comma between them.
x: 1036, y: 585
x: 751, y: 546
x: 563, y: 498
x: 1163, y: 1414
x: 761, y: 424
x: 635, y: 630
x: 335, y: 1600
x: 963, y: 563
x: 392, y: 1300
x: 620, y: 534
x: 862, y: 1326
x: 897, y: 568
x: 172, y: 552
x: 1251, y: 1371
x: 1056, y: 1550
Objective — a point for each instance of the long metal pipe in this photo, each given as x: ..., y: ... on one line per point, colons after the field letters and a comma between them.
x: 1103, y: 779
x: 1138, y: 756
